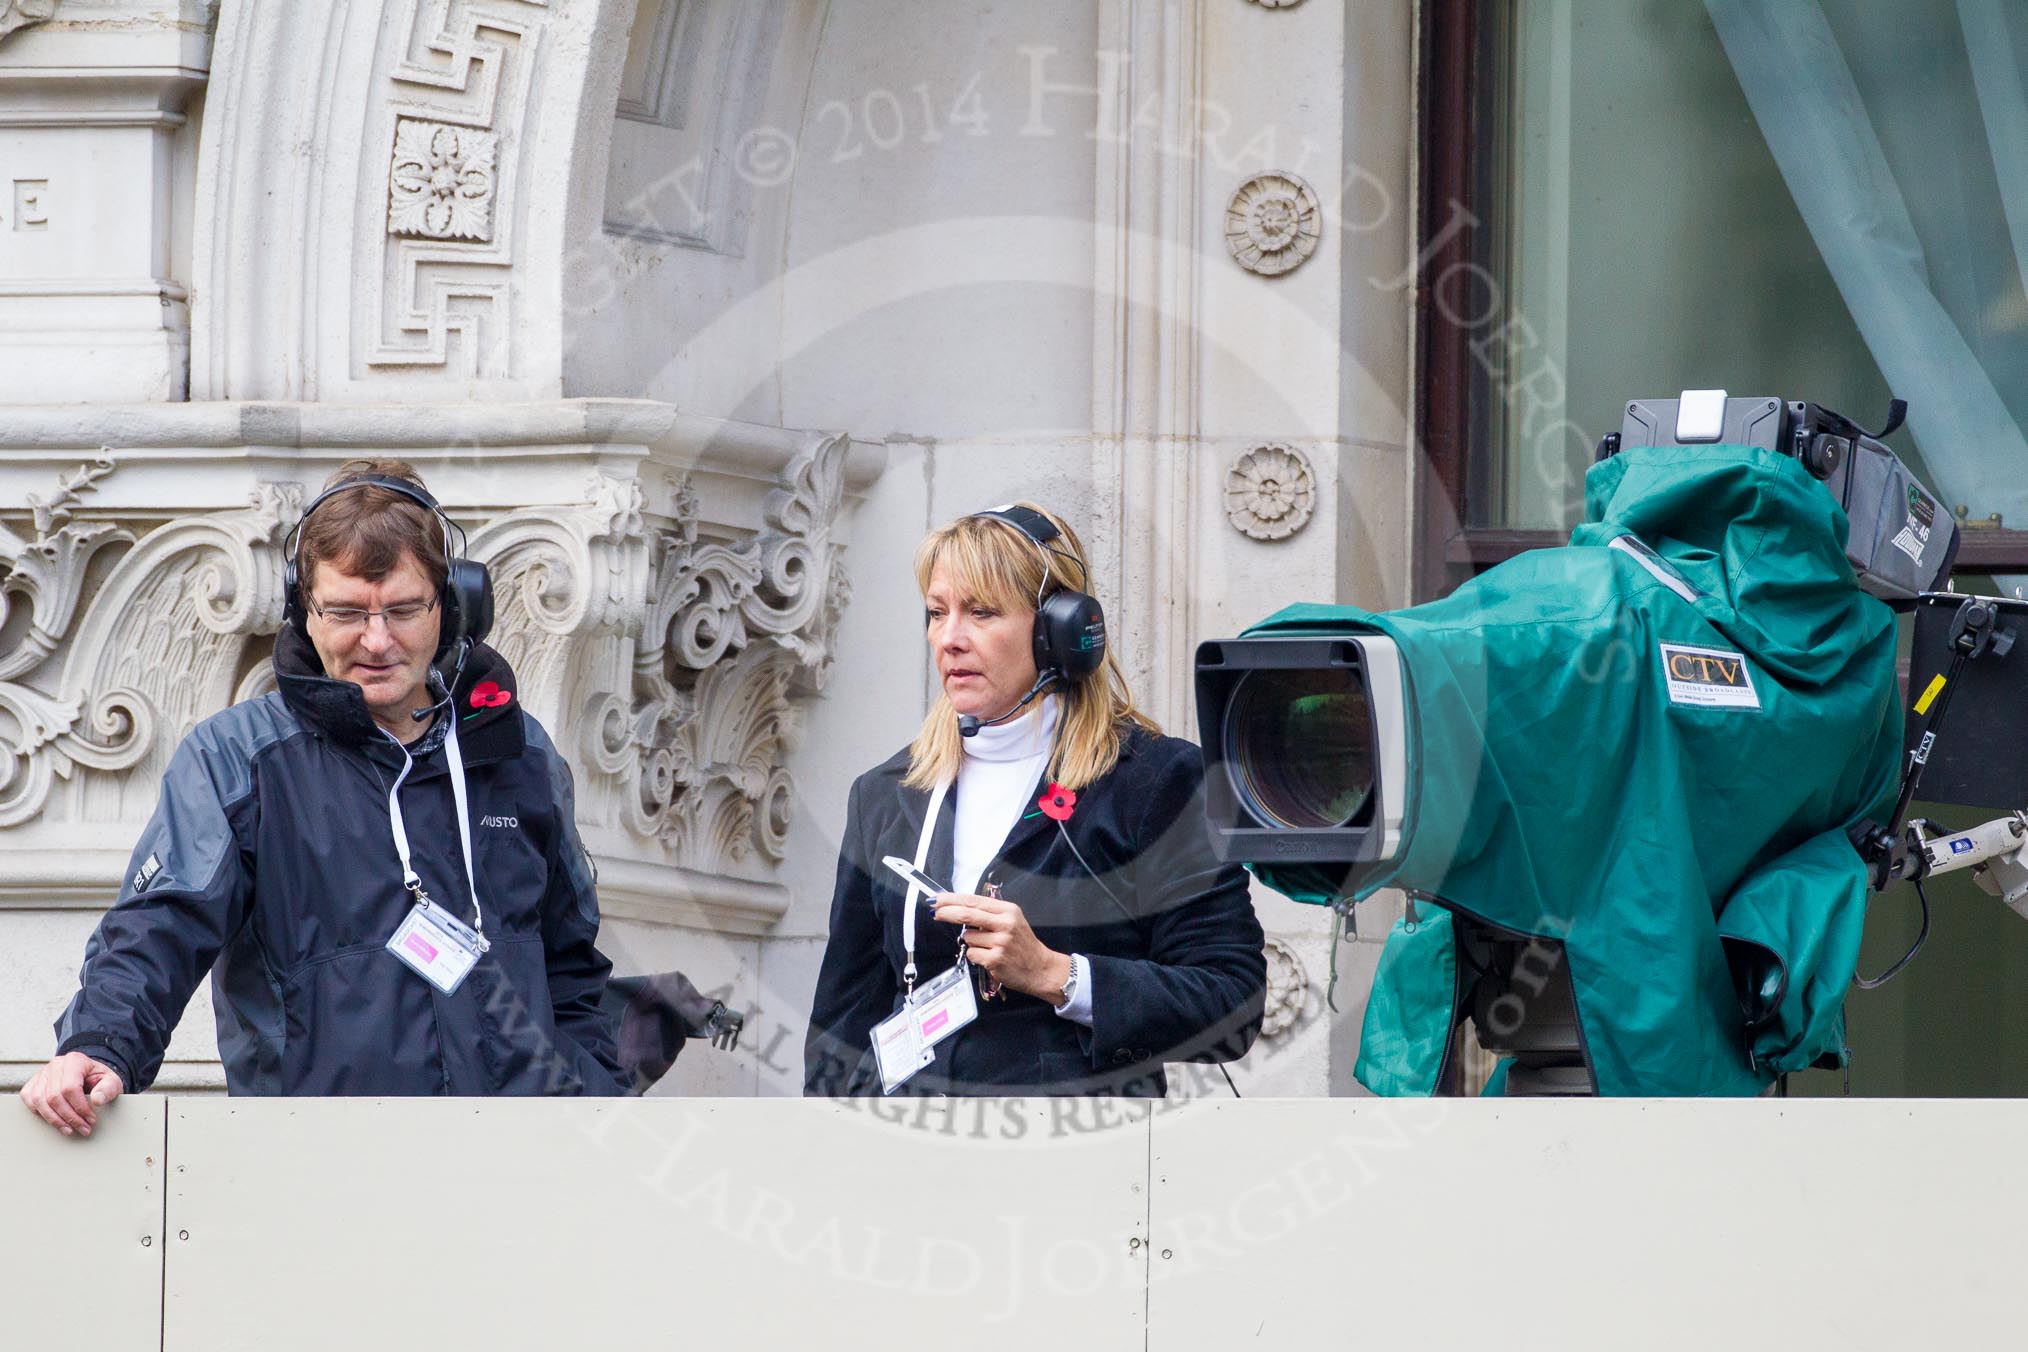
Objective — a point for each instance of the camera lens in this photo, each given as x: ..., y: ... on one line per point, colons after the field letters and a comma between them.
x: 1300, y: 746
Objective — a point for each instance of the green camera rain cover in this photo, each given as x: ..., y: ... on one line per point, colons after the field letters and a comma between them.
x: 1648, y: 746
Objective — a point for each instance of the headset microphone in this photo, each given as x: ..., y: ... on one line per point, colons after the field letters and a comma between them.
x: 464, y: 650
x: 969, y: 724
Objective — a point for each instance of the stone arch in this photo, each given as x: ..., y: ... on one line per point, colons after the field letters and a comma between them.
x: 384, y: 194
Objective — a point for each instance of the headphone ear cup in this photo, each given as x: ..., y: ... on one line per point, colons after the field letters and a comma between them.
x: 467, y: 603
x: 1070, y: 634
x: 293, y: 614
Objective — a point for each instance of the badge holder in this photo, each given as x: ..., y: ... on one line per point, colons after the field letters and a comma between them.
x: 442, y: 948
x: 905, y: 1041
x: 437, y: 944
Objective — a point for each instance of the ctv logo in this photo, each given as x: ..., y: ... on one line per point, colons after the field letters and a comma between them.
x: 1708, y: 678
x: 1707, y: 669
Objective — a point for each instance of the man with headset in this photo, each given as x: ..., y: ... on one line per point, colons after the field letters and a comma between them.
x: 377, y: 863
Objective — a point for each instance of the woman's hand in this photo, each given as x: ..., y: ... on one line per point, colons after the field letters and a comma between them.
x: 999, y: 942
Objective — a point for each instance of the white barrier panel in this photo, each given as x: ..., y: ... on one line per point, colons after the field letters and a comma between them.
x: 1550, y: 1223
x: 81, y: 1230
x: 310, y: 1224
x: 729, y: 1223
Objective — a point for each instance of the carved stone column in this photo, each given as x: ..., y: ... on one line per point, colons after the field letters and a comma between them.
x: 94, y: 152
x: 1145, y: 411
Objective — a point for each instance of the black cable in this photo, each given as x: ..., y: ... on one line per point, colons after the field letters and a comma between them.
x: 1865, y: 985
x: 1228, y: 1080
x: 1064, y: 831
x: 1083, y: 573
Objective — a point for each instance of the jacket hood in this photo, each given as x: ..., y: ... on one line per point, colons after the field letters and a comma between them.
x: 484, y: 695
x: 1751, y: 530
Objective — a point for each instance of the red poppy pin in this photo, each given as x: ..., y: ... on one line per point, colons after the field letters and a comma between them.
x: 1057, y: 803
x: 489, y: 695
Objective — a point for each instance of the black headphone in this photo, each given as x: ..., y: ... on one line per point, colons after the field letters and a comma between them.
x: 467, y: 592
x: 1070, y: 625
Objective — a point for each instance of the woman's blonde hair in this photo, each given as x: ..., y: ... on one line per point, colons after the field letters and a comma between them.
x: 992, y: 561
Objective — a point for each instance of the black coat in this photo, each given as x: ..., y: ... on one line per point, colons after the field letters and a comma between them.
x: 1175, y: 951
x: 270, y: 862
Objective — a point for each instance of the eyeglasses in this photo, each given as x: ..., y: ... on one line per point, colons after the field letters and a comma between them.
x: 397, y: 616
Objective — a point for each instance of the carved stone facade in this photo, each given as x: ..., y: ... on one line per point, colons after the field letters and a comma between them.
x: 459, y: 73
x: 667, y: 645
x: 107, y: 688
x: 95, y: 143
x: 675, y: 659
x: 981, y: 240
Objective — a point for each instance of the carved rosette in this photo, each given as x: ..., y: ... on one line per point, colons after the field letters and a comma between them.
x: 1288, y: 989
x: 1273, y: 224
x: 441, y: 183
x: 1270, y: 492
x: 158, y: 646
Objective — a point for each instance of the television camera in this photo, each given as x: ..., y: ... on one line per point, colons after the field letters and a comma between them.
x: 1309, y: 732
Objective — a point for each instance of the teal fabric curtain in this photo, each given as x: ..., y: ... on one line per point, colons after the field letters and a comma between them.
x: 1901, y: 130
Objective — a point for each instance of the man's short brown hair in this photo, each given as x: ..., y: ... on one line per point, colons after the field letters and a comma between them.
x: 366, y: 531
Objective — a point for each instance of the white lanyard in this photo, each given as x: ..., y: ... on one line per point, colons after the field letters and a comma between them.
x: 922, y: 848
x: 456, y: 762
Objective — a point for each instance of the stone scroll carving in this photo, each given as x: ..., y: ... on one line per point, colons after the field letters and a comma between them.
x: 111, y: 683
x: 678, y: 659
x: 21, y: 13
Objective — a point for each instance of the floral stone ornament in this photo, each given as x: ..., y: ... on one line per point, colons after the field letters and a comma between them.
x: 1288, y: 989
x: 1273, y: 224
x: 1270, y: 492
x: 441, y: 183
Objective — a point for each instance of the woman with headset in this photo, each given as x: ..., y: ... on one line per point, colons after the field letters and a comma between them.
x: 1070, y: 928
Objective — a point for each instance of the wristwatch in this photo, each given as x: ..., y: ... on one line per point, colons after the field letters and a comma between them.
x: 1069, y: 987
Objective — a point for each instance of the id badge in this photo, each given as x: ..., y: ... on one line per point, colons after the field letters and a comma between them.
x: 945, y: 1005
x: 443, y: 948
x: 906, y: 1040
x: 898, y: 1048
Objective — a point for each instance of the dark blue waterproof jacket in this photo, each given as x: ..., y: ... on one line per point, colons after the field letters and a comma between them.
x: 270, y: 863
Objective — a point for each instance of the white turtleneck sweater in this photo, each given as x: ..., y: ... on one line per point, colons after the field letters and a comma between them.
x: 996, y: 784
